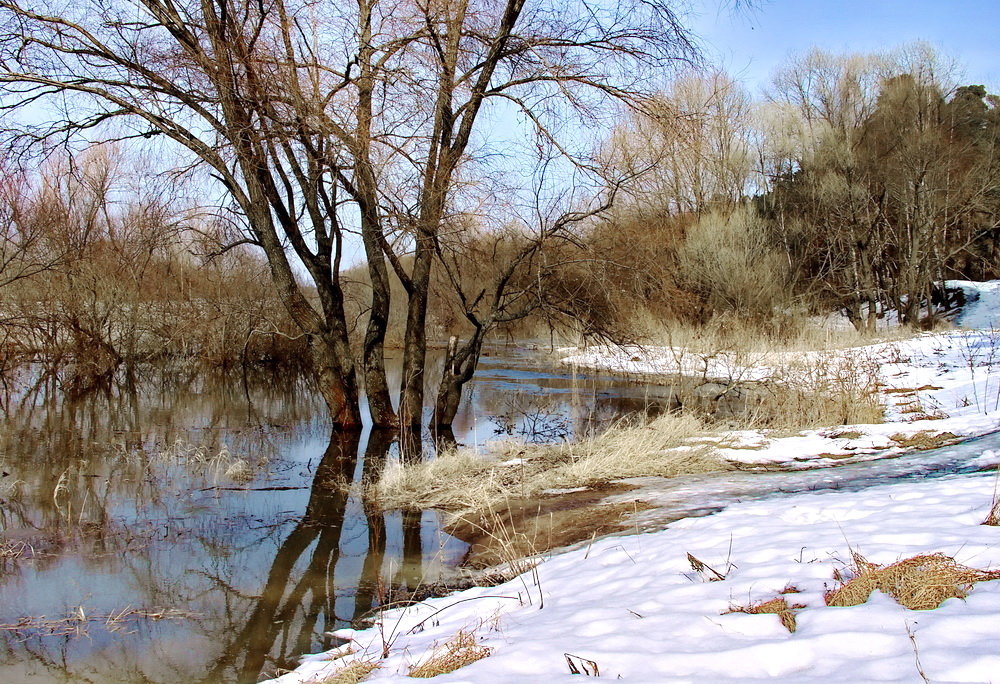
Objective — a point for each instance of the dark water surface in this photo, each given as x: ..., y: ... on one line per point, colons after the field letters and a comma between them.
x: 179, y: 528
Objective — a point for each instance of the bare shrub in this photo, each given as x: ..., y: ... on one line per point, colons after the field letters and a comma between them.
x: 726, y: 260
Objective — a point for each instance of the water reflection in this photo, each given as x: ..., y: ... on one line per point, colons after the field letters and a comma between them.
x: 292, y: 609
x: 182, y: 527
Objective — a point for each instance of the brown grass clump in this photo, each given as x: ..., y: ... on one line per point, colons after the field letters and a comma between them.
x: 776, y: 606
x: 459, y: 651
x: 846, y: 434
x: 920, y: 583
x: 923, y: 441
x: 994, y: 515
x: 352, y: 673
x: 464, y: 481
x: 13, y: 549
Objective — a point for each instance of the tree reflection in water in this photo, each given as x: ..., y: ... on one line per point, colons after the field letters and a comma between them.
x: 256, y: 573
x: 126, y: 503
x: 291, y: 604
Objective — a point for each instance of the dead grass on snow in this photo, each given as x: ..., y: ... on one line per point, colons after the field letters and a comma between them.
x: 352, y: 673
x: 922, y: 582
x: 459, y: 651
x: 777, y: 606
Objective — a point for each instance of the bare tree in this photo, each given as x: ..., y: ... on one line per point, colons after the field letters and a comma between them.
x: 321, y: 119
x: 695, y: 138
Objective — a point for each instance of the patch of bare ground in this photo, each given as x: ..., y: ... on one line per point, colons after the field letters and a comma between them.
x: 523, y: 527
x: 909, y: 390
x: 922, y: 582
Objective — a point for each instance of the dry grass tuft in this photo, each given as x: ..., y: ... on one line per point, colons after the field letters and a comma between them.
x: 459, y: 651
x: 919, y: 583
x: 776, y: 606
x: 846, y: 434
x: 464, y: 481
x: 11, y: 488
x: 993, y: 518
x: 352, y: 673
x: 925, y: 440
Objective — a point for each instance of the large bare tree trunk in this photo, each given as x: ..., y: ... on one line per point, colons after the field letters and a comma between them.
x: 337, y: 385
x: 411, y: 402
x: 373, y: 350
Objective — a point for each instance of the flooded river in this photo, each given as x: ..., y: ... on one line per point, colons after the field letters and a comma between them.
x: 191, y: 529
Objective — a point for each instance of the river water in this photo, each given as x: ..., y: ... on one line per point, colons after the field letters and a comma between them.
x: 184, y: 528
x: 191, y: 528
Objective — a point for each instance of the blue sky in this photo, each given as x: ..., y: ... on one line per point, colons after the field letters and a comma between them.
x: 750, y: 43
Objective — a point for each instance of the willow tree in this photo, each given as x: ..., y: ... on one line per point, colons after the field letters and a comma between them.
x: 320, y: 120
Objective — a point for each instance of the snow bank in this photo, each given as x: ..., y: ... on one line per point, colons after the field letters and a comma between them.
x: 943, y: 382
x: 634, y: 606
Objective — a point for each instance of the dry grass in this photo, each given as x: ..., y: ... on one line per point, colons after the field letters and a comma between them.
x: 846, y: 434
x: 925, y: 440
x: 78, y: 621
x: 777, y: 606
x: 221, y: 465
x: 459, y: 651
x: 791, y: 334
x: 464, y: 480
x: 11, y: 488
x: 791, y: 383
x: 919, y: 583
x: 993, y: 518
x: 12, y: 550
x: 352, y: 673
x: 818, y: 390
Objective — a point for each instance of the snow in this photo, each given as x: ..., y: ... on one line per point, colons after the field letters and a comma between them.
x: 635, y: 607
x: 937, y: 382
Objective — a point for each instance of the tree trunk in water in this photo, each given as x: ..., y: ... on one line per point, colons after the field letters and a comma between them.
x: 411, y: 402
x: 460, y: 366
x: 373, y: 354
x: 337, y: 385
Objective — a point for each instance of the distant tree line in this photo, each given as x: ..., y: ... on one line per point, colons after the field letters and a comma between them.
x: 858, y: 183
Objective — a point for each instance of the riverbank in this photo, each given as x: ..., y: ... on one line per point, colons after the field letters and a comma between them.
x: 934, y: 388
x: 667, y: 606
x: 691, y: 601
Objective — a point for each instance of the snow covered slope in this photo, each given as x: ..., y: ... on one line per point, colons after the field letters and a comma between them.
x: 633, y: 607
